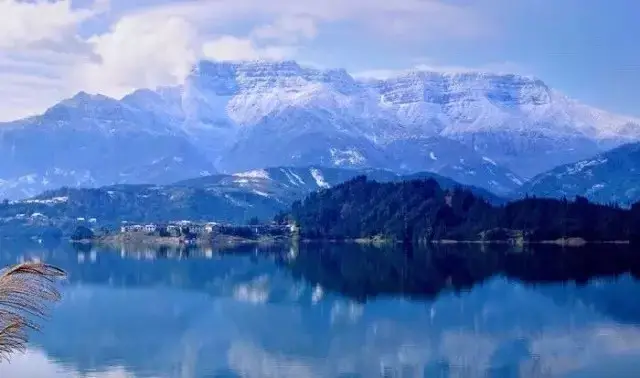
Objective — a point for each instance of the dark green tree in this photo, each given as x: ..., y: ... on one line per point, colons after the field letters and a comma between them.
x: 82, y: 233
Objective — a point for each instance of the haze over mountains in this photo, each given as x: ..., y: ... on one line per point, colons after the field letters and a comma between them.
x: 488, y: 130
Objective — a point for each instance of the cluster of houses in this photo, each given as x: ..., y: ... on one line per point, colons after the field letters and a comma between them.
x: 43, y: 217
x: 171, y: 228
x: 196, y: 228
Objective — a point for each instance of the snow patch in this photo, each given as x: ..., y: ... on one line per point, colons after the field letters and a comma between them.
x: 320, y: 181
x: 235, y: 201
x: 289, y: 177
x: 298, y: 178
x: 293, y: 178
x: 256, y: 174
x: 489, y: 160
x: 581, y: 165
x: 514, y: 179
x: 48, y: 201
x: 262, y: 194
x: 595, y: 188
x: 349, y: 156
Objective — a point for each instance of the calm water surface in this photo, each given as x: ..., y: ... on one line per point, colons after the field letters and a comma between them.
x: 337, y: 311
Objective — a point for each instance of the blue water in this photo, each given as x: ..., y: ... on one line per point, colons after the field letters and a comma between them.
x: 336, y: 311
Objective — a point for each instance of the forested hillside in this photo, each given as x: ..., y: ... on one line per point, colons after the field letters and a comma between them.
x: 420, y: 210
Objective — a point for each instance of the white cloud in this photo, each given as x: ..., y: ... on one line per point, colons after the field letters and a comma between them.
x: 287, y: 29
x: 27, y: 88
x: 43, y: 57
x: 25, y: 23
x: 429, y: 18
x: 139, y: 51
x: 38, y: 46
x: 234, y: 48
x: 157, y: 45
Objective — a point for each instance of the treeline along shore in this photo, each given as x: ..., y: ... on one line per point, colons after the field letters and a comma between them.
x: 422, y: 211
x: 363, y: 210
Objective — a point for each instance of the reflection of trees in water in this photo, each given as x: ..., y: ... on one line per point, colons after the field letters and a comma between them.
x: 363, y: 272
x: 357, y: 271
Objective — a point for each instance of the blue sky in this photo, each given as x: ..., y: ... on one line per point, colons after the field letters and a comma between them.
x: 51, y: 49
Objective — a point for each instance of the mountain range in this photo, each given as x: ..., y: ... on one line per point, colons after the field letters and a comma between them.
x: 613, y: 176
x: 230, y: 198
x: 487, y: 130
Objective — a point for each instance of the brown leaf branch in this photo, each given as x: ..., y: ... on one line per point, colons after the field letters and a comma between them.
x: 26, y: 291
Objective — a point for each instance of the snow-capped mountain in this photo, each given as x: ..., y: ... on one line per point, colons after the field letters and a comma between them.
x: 481, y: 129
x: 92, y: 141
x: 329, y: 118
x: 613, y: 176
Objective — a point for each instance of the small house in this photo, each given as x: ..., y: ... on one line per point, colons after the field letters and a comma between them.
x: 150, y: 228
x: 196, y: 229
x: 211, y: 227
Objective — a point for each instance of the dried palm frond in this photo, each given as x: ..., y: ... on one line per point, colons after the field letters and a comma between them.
x: 26, y: 290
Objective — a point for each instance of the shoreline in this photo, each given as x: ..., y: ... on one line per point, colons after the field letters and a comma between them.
x: 566, y: 242
x: 228, y: 241
x: 218, y: 241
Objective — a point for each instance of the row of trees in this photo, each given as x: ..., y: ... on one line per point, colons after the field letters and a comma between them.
x: 420, y: 210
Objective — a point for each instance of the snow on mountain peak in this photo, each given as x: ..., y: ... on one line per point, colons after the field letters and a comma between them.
x: 486, y: 129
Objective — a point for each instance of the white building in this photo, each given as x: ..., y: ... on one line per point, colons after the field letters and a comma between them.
x: 196, y: 229
x: 210, y: 227
x: 150, y: 228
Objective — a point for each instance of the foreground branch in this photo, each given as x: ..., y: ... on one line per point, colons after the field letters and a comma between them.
x: 26, y: 290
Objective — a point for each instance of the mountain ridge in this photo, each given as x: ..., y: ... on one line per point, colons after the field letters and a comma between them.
x: 612, y: 176
x: 224, y: 198
x: 488, y: 130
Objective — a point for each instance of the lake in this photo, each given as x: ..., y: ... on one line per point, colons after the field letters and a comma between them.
x: 337, y: 311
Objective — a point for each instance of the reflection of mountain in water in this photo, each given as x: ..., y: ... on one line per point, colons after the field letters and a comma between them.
x: 300, y: 313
